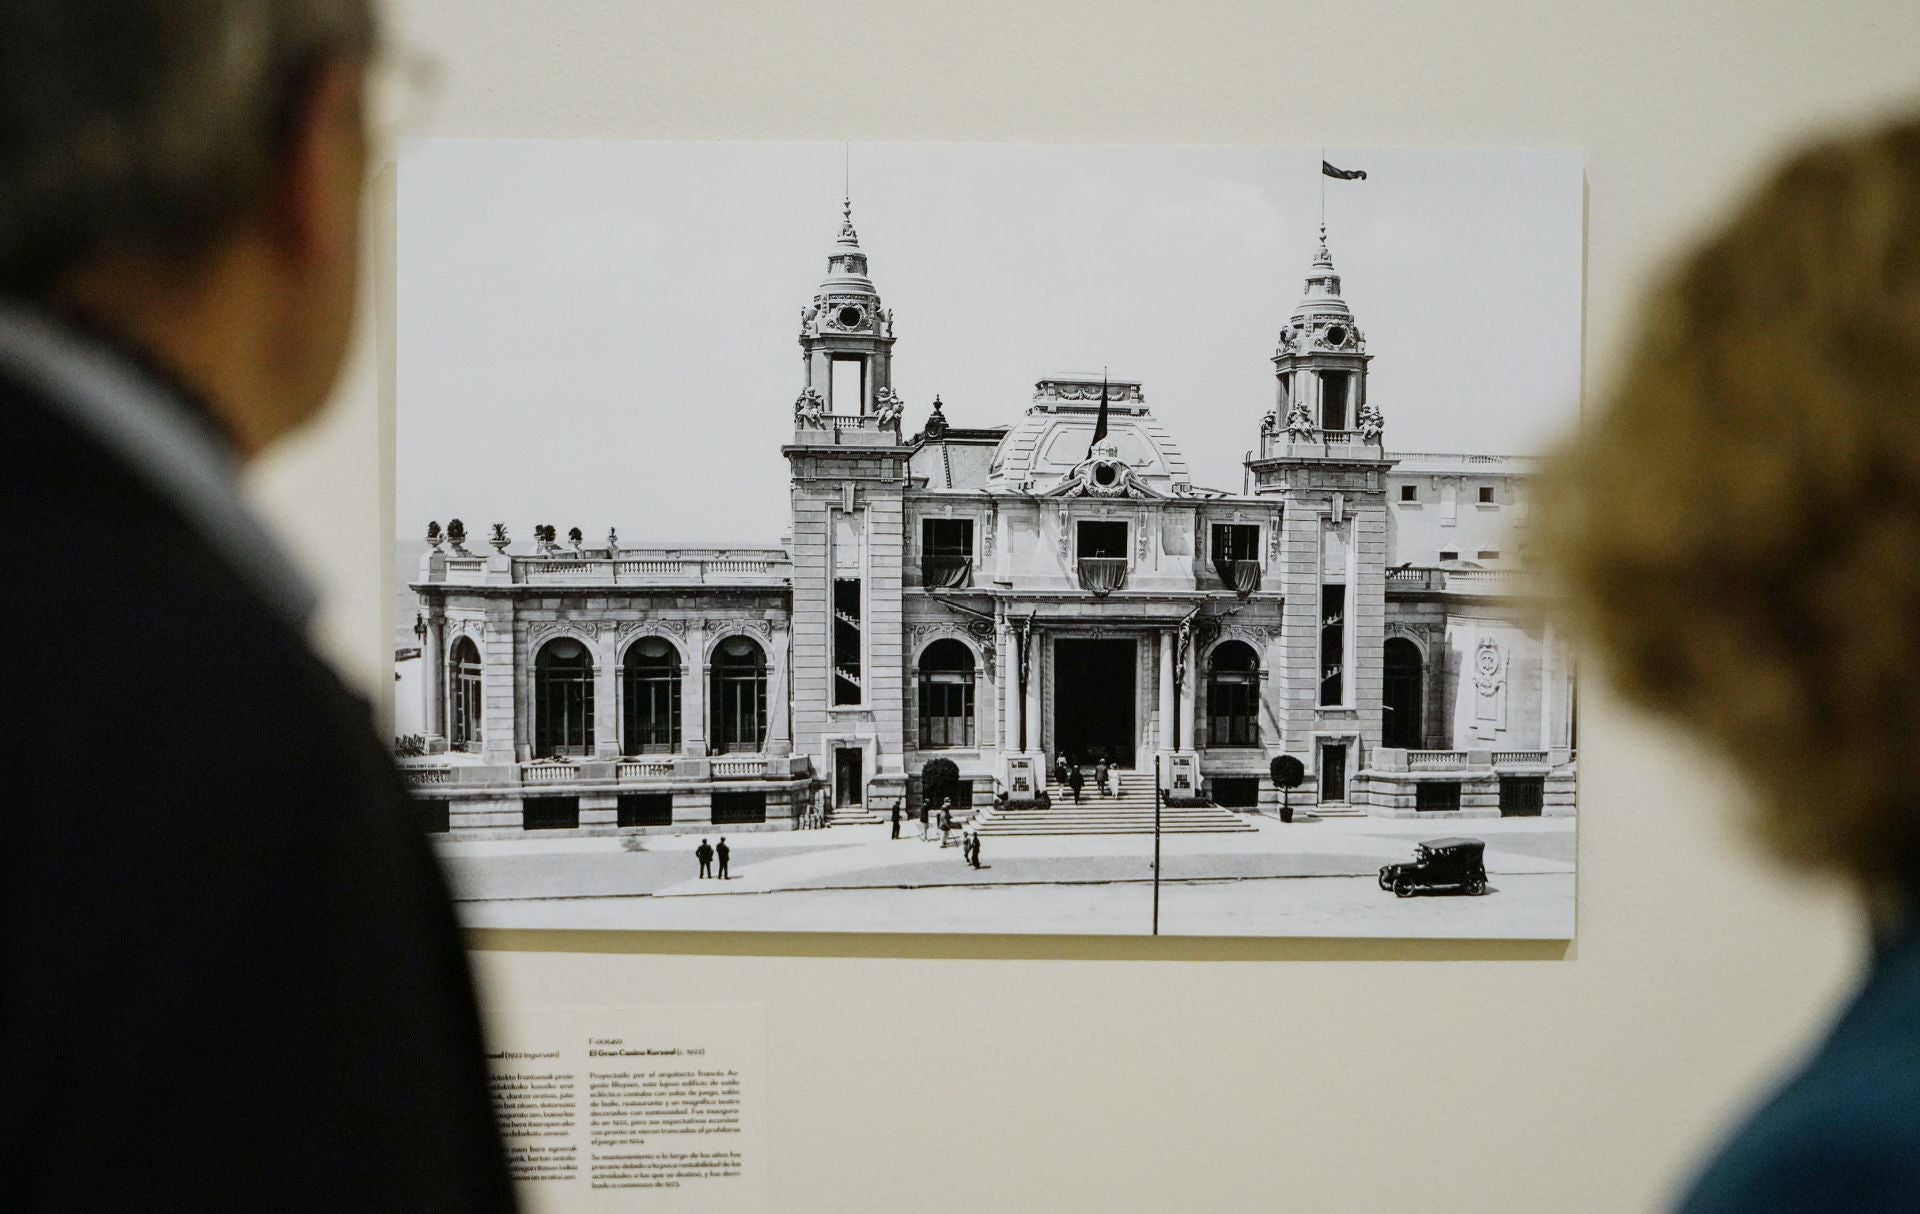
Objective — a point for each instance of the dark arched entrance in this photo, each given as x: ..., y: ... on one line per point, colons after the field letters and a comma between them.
x: 1402, y: 724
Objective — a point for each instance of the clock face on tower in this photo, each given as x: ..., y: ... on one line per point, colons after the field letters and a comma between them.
x: 1336, y: 335
x: 850, y: 316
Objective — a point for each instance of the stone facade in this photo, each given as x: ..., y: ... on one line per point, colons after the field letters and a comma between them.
x: 1004, y: 596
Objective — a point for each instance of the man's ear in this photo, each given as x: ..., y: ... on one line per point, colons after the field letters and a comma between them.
x: 322, y: 162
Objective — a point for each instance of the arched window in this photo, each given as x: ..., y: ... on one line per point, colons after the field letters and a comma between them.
x: 1402, y: 695
x: 1233, y: 695
x: 739, y: 695
x: 563, y: 699
x: 463, y: 699
x: 946, y: 695
x: 650, y: 698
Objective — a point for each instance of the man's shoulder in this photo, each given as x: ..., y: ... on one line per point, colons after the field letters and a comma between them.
x: 1842, y: 1134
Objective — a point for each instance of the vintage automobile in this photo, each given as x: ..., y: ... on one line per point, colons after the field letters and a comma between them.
x: 1440, y: 864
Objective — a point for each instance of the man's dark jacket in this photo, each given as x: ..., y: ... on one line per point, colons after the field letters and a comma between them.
x: 230, y: 978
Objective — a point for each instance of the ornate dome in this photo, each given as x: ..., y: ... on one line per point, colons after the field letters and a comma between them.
x: 1323, y: 320
x: 1047, y: 447
x: 846, y: 261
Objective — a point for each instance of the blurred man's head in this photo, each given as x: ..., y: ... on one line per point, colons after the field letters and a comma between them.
x: 1740, y: 523
x: 188, y: 173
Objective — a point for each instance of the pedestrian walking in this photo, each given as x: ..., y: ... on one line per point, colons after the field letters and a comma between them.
x: 896, y: 819
x: 704, y: 854
x: 1075, y: 779
x: 946, y: 824
x: 1060, y: 768
x: 1100, y: 778
x: 923, y: 821
x: 974, y: 859
x: 723, y: 851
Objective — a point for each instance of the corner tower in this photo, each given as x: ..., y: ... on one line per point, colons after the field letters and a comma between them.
x: 848, y: 480
x: 846, y: 336
x: 1321, y: 454
x: 1320, y: 362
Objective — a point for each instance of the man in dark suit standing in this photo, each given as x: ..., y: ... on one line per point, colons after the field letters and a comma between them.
x: 230, y: 976
x: 704, y: 854
x: 723, y: 851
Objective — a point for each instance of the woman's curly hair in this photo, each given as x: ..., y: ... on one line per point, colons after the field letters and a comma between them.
x: 1738, y: 526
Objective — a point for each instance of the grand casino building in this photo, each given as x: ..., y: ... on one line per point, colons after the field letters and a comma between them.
x: 1002, y: 596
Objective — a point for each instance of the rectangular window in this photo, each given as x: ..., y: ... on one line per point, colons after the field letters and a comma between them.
x: 645, y: 809
x: 846, y: 640
x: 1235, y: 542
x: 946, y: 552
x: 1335, y: 390
x: 739, y: 808
x: 1104, y: 539
x: 550, y: 813
x: 1436, y: 796
x: 946, y: 709
x: 1522, y: 796
x: 1448, y: 554
x: 1486, y: 495
x: 1333, y: 644
x: 1409, y: 493
x: 1489, y: 554
x: 847, y: 389
x: 1236, y: 792
x: 1333, y: 771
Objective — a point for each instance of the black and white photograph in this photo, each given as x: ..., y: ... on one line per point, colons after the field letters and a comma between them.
x: 923, y: 538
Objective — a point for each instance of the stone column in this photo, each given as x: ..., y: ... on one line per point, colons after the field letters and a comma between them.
x: 1188, y: 696
x: 1167, y: 639
x: 433, y: 681
x: 503, y: 686
x: 1548, y: 643
x: 779, y: 736
x: 693, y: 694
x: 1032, y: 713
x: 1008, y: 659
x: 606, y: 695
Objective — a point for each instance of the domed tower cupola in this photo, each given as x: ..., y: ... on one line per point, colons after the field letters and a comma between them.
x: 1320, y: 364
x: 846, y: 338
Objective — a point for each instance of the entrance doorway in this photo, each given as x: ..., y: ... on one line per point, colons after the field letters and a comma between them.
x: 1093, y: 700
x: 848, y: 787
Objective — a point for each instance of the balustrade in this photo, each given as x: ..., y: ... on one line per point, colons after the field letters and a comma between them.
x: 644, y: 769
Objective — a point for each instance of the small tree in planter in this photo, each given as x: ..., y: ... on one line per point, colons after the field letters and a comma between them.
x: 1288, y: 774
x: 937, y: 780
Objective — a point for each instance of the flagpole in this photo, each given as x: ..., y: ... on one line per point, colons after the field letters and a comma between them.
x: 1323, y: 185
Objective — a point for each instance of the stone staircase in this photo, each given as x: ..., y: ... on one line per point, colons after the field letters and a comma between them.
x: 1128, y: 812
x: 862, y: 815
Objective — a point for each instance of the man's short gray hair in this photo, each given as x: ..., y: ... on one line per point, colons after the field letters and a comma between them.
x: 148, y: 126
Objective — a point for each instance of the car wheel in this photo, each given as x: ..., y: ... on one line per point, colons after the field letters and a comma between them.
x: 1403, y: 888
x: 1478, y: 886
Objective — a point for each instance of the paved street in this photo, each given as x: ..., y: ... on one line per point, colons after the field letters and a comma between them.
x: 1308, y: 878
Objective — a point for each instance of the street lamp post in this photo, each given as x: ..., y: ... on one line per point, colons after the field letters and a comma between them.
x: 1159, y: 795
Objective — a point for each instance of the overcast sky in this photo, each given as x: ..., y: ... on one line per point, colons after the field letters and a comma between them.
x: 604, y: 333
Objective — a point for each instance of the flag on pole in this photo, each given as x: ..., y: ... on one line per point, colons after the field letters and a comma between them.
x: 1100, y: 427
x: 1327, y: 170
